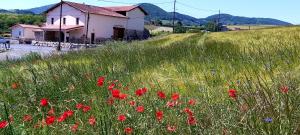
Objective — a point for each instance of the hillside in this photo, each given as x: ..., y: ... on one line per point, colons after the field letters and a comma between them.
x: 157, y: 13
x: 244, y: 82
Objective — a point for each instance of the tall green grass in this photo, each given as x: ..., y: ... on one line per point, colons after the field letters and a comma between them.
x: 198, y: 66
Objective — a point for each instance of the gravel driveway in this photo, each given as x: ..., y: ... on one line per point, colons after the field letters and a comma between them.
x: 17, y: 51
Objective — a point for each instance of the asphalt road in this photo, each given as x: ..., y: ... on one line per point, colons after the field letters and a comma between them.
x: 18, y: 51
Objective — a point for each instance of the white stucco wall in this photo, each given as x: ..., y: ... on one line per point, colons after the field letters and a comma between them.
x: 69, y: 13
x: 102, y: 26
x: 136, y: 20
x: 15, y: 32
x: 25, y: 32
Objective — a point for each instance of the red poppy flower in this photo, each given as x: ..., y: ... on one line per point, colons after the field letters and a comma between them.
x: 161, y: 95
x: 232, y: 93
x: 122, y: 117
x: 79, y: 105
x: 141, y: 92
x: 44, y: 102
x: 51, y: 111
x: 128, y: 130
x: 92, y: 120
x: 111, y: 86
x: 284, y: 89
x: 192, y: 102
x: 159, y: 115
x: 100, y: 81
x: 140, y: 109
x: 74, y: 127
x: 50, y: 120
x: 62, y: 118
x: 122, y: 96
x: 115, y: 93
x: 132, y: 103
x: 110, y: 101
x: 191, y: 120
x: 86, y: 108
x: 14, y: 85
x: 171, y: 128
x: 27, y: 118
x: 69, y: 113
x: 3, y: 124
x: 175, y: 96
x: 188, y: 111
x: 171, y: 104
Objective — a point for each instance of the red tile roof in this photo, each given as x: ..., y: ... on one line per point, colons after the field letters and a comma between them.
x: 90, y: 9
x: 126, y: 8
x: 26, y: 26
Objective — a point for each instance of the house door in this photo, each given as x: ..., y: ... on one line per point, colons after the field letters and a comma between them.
x: 93, y: 38
x: 119, y: 33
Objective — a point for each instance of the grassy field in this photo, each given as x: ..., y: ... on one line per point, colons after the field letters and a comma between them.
x: 252, y: 27
x: 243, y: 82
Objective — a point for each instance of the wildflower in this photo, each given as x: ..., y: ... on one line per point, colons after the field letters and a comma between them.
x: 27, y: 118
x: 44, y: 102
x: 11, y: 118
x: 161, y: 95
x: 86, y: 108
x: 171, y: 128
x: 92, y: 120
x: 175, y: 96
x: 192, y: 102
x: 159, y: 115
x: 171, y: 104
x: 115, y: 93
x: 74, y: 127
x: 141, y: 92
x: 79, y: 106
x: 132, y: 103
x: 51, y: 112
x: 62, y: 118
x: 122, y: 117
x: 191, y: 120
x: 284, y: 89
x: 3, y: 124
x: 69, y: 113
x: 188, y: 111
x: 140, y: 109
x: 14, y: 85
x: 110, y: 101
x: 50, y: 120
x: 128, y: 130
x: 111, y: 86
x: 100, y: 81
x: 268, y: 120
x: 122, y: 96
x: 232, y: 93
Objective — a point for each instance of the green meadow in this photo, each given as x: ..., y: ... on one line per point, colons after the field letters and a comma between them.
x: 261, y: 66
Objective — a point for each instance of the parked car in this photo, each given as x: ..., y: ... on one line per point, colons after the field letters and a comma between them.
x: 4, y: 41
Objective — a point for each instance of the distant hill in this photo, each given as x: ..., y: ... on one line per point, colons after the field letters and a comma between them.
x: 39, y: 10
x: 157, y: 13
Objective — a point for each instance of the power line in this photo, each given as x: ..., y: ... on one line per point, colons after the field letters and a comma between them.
x: 199, y: 9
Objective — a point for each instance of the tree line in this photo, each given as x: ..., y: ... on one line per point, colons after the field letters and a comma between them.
x: 9, y: 20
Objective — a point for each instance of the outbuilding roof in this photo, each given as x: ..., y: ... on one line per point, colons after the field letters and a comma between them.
x: 26, y: 26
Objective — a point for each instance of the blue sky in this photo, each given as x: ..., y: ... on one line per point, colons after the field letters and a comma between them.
x: 285, y: 10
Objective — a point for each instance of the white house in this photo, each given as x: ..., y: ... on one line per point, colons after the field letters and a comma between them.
x: 99, y: 23
x: 23, y: 31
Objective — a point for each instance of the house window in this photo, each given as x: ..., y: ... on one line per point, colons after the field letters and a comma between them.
x: 20, y: 33
x: 77, y: 21
x: 52, y: 20
x: 64, y: 21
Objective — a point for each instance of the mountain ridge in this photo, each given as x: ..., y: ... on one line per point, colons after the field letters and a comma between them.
x: 157, y: 13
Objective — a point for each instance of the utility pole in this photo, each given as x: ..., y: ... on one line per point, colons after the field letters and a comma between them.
x: 174, y: 16
x: 60, y: 16
x: 219, y: 19
x: 87, y: 29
